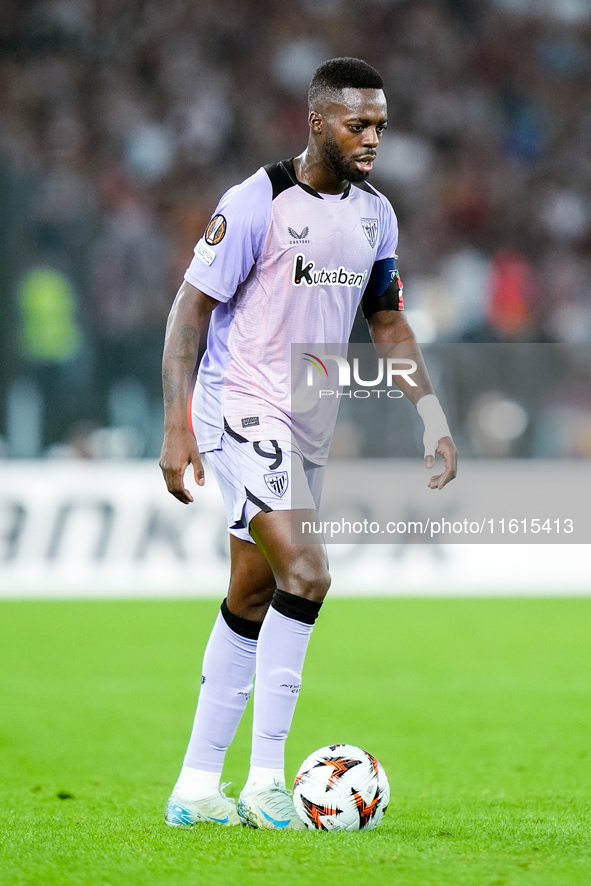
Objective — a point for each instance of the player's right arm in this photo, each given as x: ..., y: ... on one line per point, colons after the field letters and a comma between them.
x: 188, y: 316
x: 223, y: 259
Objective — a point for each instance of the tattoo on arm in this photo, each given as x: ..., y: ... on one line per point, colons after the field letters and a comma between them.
x: 187, y: 344
x: 179, y: 363
x: 170, y: 388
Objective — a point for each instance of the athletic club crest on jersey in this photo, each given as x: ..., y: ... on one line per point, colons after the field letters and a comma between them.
x: 370, y: 226
x: 277, y: 482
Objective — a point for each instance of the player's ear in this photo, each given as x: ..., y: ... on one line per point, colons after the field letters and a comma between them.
x: 316, y: 122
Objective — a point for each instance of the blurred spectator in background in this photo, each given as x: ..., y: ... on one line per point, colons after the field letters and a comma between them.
x: 120, y: 122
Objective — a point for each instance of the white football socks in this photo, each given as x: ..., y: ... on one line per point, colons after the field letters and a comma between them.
x: 226, y: 685
x: 197, y: 784
x: 282, y: 646
x: 260, y: 778
x: 228, y: 671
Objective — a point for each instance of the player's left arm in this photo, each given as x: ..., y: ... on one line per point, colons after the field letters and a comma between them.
x: 393, y: 337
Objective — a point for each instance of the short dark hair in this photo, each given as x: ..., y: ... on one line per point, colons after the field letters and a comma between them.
x: 342, y: 73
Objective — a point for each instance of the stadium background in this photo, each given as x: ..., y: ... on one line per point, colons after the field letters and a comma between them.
x: 121, y: 123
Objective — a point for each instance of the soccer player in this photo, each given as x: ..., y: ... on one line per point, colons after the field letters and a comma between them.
x: 287, y: 257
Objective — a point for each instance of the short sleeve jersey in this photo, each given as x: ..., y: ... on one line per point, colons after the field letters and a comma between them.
x: 288, y: 265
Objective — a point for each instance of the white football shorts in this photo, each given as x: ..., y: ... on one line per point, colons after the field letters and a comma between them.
x: 269, y: 475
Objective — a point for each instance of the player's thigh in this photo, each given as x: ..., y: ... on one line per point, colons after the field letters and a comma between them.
x: 252, y: 583
x: 298, y: 568
x: 267, y: 475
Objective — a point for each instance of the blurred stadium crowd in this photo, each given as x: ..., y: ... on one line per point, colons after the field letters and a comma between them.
x: 122, y: 122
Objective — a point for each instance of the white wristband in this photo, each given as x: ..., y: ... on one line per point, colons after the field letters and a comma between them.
x: 436, y: 426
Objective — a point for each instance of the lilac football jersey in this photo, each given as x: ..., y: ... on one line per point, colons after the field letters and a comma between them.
x: 288, y: 265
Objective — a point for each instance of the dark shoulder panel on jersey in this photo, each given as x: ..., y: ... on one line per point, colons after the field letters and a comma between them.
x: 283, y: 176
x: 365, y: 186
x: 280, y: 178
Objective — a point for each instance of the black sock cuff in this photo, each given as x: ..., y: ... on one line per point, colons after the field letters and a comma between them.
x: 298, y: 608
x: 244, y: 627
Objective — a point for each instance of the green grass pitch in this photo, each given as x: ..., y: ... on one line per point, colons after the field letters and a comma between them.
x: 480, y: 711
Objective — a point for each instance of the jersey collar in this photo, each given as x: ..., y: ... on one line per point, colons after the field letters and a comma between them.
x: 290, y: 169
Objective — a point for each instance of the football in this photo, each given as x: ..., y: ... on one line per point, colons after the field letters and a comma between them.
x: 341, y: 788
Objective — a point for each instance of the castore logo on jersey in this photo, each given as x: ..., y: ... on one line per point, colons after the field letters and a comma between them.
x: 298, y: 238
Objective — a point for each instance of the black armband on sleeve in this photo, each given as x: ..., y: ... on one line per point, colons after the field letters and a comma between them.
x: 384, y: 289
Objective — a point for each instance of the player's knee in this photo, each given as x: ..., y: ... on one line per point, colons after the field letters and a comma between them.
x: 250, y: 603
x: 309, y: 580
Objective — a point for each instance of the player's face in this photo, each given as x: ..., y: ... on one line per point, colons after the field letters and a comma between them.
x: 354, y: 127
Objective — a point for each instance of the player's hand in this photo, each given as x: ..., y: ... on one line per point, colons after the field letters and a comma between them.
x: 446, y: 448
x: 179, y: 450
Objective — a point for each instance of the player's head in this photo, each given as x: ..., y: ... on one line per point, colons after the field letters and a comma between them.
x: 337, y: 74
x: 347, y: 114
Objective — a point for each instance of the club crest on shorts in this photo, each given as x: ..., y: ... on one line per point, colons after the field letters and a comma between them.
x: 277, y: 482
x: 370, y: 226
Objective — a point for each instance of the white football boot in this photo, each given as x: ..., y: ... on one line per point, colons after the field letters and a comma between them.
x: 217, y: 809
x: 270, y: 807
